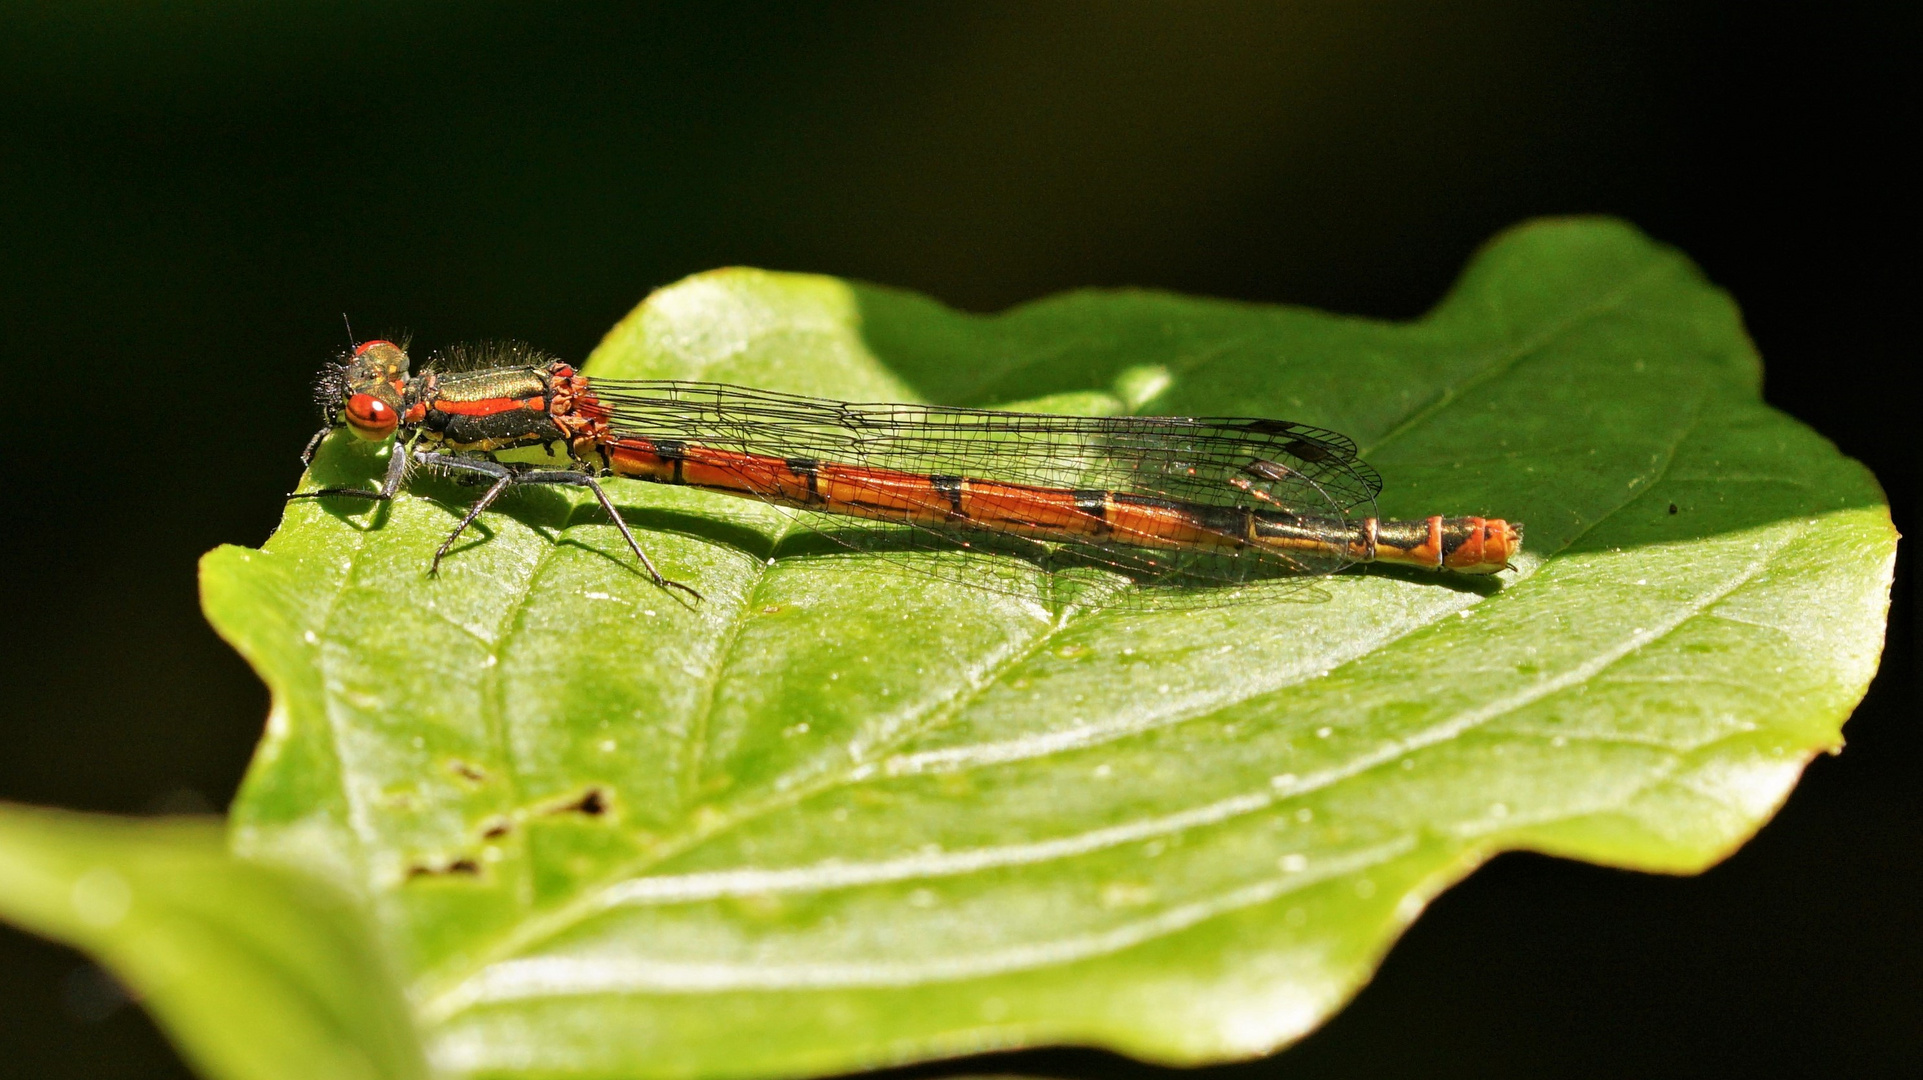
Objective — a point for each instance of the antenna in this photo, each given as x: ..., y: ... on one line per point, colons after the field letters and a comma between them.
x: 351, y: 340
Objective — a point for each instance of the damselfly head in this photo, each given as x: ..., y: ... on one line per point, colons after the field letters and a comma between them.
x: 364, y: 389
x: 380, y: 359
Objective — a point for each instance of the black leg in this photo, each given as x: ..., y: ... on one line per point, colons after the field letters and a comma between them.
x: 578, y: 479
x: 503, y: 477
x: 500, y: 477
x: 313, y: 444
x: 391, y: 483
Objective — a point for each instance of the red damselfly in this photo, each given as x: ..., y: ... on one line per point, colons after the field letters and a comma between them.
x: 1165, y: 501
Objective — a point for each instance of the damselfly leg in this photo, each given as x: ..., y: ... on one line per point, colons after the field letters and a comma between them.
x: 502, y: 477
x: 391, y: 482
x: 507, y: 476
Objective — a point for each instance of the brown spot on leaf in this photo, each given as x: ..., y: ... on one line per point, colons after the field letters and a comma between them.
x: 593, y: 802
x: 467, y: 770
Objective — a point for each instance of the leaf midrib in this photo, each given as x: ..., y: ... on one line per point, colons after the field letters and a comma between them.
x: 695, y: 751
x: 364, y: 837
x: 858, y: 974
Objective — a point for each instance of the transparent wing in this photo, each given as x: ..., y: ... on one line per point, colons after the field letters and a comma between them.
x: 1223, y: 463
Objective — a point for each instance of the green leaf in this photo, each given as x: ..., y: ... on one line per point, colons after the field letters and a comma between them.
x: 842, y: 814
x: 257, y: 973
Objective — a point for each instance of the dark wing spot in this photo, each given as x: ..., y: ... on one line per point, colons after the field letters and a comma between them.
x: 1305, y: 450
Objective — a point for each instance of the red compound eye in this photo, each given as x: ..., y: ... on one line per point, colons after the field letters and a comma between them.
x: 361, y: 349
x: 370, y: 417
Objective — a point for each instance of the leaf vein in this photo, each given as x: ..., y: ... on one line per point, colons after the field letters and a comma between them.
x: 1503, y: 361
x: 551, y: 976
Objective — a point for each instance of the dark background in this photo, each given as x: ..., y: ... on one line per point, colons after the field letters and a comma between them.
x: 189, y: 198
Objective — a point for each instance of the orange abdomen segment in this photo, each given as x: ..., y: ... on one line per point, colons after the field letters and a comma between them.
x: 1479, y: 545
x: 1466, y: 545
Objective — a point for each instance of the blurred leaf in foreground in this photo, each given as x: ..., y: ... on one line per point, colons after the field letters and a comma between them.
x: 255, y: 972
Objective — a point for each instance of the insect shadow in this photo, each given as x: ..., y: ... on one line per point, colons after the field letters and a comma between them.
x: 1058, y: 573
x: 1484, y: 585
x: 1062, y: 576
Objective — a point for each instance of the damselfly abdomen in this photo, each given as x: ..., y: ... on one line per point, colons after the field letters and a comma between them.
x: 1168, y: 502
